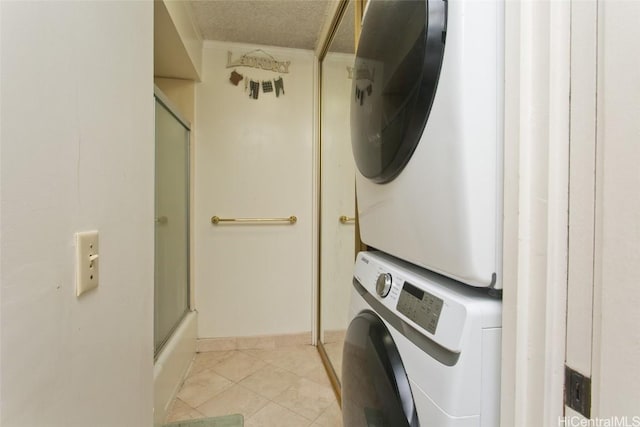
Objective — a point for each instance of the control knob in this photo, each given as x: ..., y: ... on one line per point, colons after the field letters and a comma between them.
x: 383, y: 284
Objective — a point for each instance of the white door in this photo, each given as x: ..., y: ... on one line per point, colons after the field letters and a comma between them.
x: 604, y: 260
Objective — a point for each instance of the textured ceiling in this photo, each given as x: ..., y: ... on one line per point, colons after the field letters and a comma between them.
x: 344, y: 38
x: 286, y: 23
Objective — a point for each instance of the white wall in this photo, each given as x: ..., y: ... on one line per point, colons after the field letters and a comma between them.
x: 1, y: 118
x: 177, y: 41
x: 255, y: 159
x: 77, y: 154
x: 181, y: 16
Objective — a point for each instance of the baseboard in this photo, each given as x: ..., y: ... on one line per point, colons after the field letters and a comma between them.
x: 262, y: 342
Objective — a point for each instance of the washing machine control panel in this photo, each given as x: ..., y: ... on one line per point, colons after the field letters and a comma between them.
x: 420, y: 306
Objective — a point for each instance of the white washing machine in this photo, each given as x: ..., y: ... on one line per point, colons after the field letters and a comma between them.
x: 421, y: 349
x: 427, y: 120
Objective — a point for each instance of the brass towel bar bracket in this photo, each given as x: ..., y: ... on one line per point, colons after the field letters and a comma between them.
x: 217, y: 220
x: 345, y: 219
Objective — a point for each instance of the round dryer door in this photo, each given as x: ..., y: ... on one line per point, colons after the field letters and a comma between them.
x: 375, y: 387
x: 394, y: 82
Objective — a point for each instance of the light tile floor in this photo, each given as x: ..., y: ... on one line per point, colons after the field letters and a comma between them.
x: 283, y: 387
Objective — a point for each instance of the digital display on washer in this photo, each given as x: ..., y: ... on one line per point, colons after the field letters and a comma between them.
x: 420, y: 306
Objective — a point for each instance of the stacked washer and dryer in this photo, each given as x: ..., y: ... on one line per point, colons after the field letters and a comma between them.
x: 423, y: 346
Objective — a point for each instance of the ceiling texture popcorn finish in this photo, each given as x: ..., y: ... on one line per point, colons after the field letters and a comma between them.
x: 344, y: 39
x: 285, y: 23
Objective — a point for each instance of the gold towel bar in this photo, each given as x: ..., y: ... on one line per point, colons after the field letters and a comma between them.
x: 345, y: 219
x: 291, y: 220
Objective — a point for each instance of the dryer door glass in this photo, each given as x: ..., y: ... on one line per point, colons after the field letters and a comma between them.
x: 394, y: 82
x: 375, y: 387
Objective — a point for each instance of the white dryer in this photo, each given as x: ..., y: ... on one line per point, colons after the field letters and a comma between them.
x: 427, y: 119
x: 421, y: 350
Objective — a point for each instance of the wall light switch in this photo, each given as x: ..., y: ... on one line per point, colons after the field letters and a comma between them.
x: 87, y: 261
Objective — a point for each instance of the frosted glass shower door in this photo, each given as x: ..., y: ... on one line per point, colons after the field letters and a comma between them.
x: 171, y: 298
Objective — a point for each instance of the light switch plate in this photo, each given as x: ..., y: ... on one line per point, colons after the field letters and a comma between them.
x: 87, y: 261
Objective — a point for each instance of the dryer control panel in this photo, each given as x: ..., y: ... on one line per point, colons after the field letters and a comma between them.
x: 420, y: 306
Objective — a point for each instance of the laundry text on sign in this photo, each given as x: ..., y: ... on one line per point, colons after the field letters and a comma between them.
x: 257, y: 62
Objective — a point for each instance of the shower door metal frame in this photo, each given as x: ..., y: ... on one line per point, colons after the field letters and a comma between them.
x: 163, y: 100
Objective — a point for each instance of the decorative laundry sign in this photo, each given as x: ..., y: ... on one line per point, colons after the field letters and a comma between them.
x: 361, y: 73
x: 252, y: 85
x: 268, y: 63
